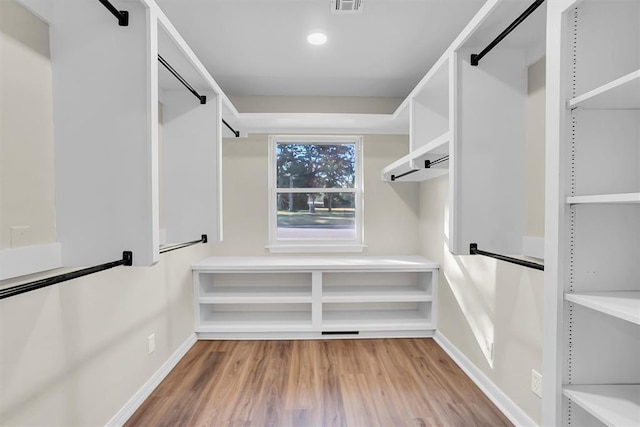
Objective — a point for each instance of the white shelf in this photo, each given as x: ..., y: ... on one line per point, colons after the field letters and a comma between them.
x: 306, y: 264
x: 383, y: 124
x: 255, y: 321
x: 614, y: 405
x: 272, y: 294
x: 622, y: 93
x: 339, y: 293
x: 624, y: 198
x: 624, y: 305
x: 375, y: 320
x: 256, y: 295
x: 415, y: 160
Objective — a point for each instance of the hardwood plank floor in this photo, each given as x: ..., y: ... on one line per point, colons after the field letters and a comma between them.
x: 351, y: 383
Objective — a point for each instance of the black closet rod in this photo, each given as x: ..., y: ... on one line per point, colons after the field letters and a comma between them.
x: 122, y: 15
x: 394, y: 177
x: 202, y: 98
x: 184, y: 245
x: 127, y: 259
x: 475, y: 58
x: 235, y: 132
x: 429, y: 163
x: 473, y: 250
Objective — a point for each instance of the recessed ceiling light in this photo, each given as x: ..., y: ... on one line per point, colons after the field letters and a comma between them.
x: 317, y: 38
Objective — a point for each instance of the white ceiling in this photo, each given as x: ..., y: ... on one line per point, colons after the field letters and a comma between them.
x: 259, y: 47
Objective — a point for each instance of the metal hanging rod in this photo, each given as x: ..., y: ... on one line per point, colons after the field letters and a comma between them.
x: 429, y: 163
x: 235, y: 132
x: 475, y: 58
x: 127, y: 259
x: 184, y: 245
x: 202, y: 98
x: 121, y: 15
x: 473, y: 250
x: 394, y: 177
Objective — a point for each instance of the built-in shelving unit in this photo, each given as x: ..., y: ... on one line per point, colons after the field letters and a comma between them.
x: 473, y: 118
x: 429, y: 127
x: 433, y: 151
x: 106, y: 89
x: 592, y: 292
x: 309, y: 297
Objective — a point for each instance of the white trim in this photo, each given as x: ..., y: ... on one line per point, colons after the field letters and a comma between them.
x: 507, y: 406
x: 123, y: 415
x: 284, y: 248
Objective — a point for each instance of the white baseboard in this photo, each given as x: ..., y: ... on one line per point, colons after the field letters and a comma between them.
x: 141, y: 395
x: 508, y: 407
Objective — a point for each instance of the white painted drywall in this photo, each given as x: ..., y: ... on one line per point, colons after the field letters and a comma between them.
x: 26, y: 129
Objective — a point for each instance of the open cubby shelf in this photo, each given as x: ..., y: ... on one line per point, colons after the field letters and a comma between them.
x: 386, y: 295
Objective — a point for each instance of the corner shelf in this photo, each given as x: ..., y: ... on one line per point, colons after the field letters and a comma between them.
x: 614, y: 405
x: 623, y: 305
x: 623, y: 198
x: 622, y: 93
x: 431, y: 151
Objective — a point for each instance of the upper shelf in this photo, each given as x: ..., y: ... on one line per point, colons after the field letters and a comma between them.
x: 624, y: 198
x: 415, y: 161
x: 385, y: 124
x: 624, y: 305
x: 622, y: 93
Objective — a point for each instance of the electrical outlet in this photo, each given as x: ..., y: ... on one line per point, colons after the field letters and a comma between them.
x: 536, y: 383
x: 152, y: 343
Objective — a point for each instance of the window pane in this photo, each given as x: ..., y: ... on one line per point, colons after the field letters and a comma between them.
x: 316, y: 165
x: 316, y: 216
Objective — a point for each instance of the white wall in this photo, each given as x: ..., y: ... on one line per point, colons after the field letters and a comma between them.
x: 73, y: 354
x: 390, y: 214
x: 26, y: 129
x: 535, y: 148
x: 483, y: 301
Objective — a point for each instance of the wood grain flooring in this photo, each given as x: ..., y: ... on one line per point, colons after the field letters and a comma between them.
x: 354, y: 383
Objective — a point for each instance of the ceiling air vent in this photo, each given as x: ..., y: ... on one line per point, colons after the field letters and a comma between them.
x: 346, y: 6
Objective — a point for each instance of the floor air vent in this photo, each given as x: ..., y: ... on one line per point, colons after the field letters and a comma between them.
x: 346, y: 6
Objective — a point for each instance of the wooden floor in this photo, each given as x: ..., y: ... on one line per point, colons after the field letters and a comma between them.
x: 357, y: 383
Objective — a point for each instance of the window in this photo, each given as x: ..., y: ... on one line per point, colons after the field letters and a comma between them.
x: 315, y: 199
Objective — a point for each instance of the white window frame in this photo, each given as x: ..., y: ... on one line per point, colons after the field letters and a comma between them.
x: 316, y: 245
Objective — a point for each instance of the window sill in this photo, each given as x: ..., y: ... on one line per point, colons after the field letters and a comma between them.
x: 315, y: 248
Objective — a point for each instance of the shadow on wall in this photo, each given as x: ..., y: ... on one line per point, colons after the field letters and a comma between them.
x: 500, y: 303
x: 64, y: 335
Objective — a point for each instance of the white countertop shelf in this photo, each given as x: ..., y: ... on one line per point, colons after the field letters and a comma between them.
x: 623, y: 198
x: 376, y: 293
x: 302, y: 264
x: 622, y: 93
x: 433, y: 150
x: 612, y: 404
x: 256, y: 295
x: 624, y: 305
